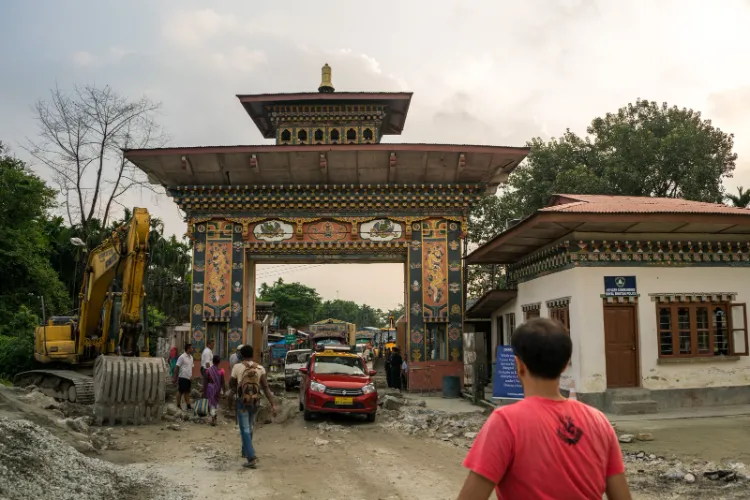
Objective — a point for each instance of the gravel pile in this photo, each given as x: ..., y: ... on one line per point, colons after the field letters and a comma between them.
x: 35, y: 464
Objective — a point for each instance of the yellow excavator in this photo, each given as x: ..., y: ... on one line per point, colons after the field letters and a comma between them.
x: 127, y: 386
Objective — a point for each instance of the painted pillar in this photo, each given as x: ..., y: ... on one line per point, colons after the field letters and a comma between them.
x: 414, y: 305
x: 197, y: 325
x: 236, y: 321
x: 455, y: 292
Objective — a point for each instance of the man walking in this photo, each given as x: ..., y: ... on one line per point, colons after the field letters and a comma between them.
x: 248, y: 379
x: 235, y: 358
x: 545, y: 446
x: 183, y: 376
x: 207, y: 357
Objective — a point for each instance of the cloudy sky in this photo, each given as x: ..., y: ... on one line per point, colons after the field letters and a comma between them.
x: 488, y: 72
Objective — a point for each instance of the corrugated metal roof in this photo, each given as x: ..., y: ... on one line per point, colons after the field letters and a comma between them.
x: 607, y: 204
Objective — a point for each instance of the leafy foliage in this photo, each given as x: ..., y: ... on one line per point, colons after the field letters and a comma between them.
x: 644, y: 149
x: 347, y: 310
x: 294, y: 304
x: 741, y: 199
x: 25, y: 253
x: 17, y: 343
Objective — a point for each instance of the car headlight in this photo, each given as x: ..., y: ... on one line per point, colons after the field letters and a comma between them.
x: 317, y: 387
x: 368, y: 389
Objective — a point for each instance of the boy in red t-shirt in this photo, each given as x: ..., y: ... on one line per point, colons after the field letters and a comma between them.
x: 545, y: 447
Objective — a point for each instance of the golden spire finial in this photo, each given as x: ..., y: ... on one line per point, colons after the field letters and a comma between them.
x: 326, y: 85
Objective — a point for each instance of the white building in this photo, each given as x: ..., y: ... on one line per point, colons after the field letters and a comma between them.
x: 653, y: 292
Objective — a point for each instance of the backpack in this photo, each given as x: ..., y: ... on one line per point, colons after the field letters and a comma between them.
x: 248, y: 390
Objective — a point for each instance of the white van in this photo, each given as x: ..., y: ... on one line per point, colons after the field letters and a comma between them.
x: 292, y: 363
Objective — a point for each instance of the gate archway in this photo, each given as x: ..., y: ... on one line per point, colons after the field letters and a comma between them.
x: 329, y: 191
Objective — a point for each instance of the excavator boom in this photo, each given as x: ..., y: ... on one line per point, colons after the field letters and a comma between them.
x: 126, y: 388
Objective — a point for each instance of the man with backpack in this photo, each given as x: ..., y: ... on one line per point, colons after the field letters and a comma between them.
x: 248, y: 379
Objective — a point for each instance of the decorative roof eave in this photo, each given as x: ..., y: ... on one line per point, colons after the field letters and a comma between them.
x: 397, y: 102
x: 490, y: 302
x: 563, y: 224
x: 296, y: 148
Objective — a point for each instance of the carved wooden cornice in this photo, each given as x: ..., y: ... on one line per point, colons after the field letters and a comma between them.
x: 562, y: 302
x: 694, y: 297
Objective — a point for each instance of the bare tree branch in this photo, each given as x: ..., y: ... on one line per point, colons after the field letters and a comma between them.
x: 90, y: 127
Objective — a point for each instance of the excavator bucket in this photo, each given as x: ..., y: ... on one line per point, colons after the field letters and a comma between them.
x: 129, y: 390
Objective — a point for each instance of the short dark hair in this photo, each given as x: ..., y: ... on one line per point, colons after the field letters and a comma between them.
x: 217, y: 359
x: 188, y: 346
x: 246, y: 351
x: 544, y: 346
x: 210, y: 341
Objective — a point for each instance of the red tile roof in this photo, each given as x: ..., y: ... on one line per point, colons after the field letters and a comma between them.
x: 606, y: 204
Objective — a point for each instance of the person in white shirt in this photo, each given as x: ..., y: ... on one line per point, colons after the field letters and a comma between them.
x: 235, y: 358
x: 183, y: 376
x: 207, y: 357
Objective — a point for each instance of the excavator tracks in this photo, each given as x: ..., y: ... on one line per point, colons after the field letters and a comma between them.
x: 129, y: 390
x: 60, y: 384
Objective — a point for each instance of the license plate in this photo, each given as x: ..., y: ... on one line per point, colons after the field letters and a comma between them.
x: 344, y: 401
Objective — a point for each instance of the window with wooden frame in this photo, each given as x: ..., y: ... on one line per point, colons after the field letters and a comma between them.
x: 531, y: 313
x: 701, y: 329
x: 532, y: 310
x: 561, y: 314
x: 511, y: 325
x: 559, y: 309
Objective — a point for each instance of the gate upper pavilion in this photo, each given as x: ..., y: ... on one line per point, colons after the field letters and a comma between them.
x: 330, y: 191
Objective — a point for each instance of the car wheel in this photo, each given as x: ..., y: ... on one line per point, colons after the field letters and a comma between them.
x: 288, y: 387
x: 371, y: 417
x: 308, y: 415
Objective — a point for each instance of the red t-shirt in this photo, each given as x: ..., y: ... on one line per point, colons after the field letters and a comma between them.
x: 542, y: 449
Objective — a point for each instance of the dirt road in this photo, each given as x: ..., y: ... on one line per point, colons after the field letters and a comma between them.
x: 338, y: 459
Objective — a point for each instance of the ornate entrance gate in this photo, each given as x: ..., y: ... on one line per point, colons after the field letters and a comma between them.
x: 330, y: 191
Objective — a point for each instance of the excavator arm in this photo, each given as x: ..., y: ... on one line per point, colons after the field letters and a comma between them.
x: 123, y: 253
x: 125, y: 389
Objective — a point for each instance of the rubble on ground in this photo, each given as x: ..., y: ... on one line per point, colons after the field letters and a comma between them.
x: 647, y: 471
x: 35, y: 464
x: 412, y: 418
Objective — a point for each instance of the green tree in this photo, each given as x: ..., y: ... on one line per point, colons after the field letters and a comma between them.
x: 644, y: 149
x: 17, y: 342
x: 741, y: 199
x: 347, y: 310
x: 25, y: 253
x: 294, y: 303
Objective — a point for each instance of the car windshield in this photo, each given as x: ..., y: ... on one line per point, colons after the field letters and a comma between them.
x: 339, y: 365
x: 297, y: 357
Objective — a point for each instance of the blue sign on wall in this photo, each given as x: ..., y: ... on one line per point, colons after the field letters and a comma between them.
x: 278, y: 351
x: 620, y: 286
x: 506, y: 384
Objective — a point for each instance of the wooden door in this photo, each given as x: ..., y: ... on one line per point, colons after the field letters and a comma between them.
x: 621, y: 346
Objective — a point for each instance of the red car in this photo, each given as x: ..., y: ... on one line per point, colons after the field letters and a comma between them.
x: 337, y: 380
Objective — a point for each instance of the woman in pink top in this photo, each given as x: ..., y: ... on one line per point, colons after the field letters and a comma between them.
x: 545, y: 447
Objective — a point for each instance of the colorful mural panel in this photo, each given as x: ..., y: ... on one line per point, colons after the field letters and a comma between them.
x: 435, y: 269
x: 327, y: 231
x: 273, y: 231
x: 381, y: 230
x: 218, y: 276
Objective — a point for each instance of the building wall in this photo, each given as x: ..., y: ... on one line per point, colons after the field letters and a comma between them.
x: 585, y: 285
x: 656, y: 376
x: 540, y: 290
